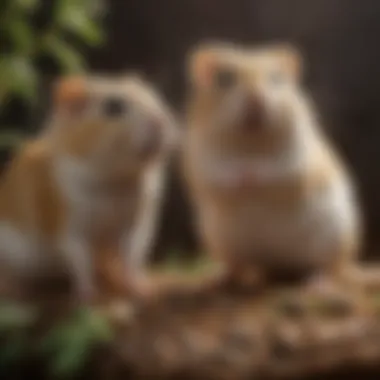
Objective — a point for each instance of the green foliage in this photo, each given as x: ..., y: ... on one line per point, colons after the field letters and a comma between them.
x: 15, y: 321
x: 67, y: 345
x: 71, y: 343
x: 71, y: 19
x: 10, y: 139
x: 14, y: 316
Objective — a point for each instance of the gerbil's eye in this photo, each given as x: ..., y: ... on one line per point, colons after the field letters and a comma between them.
x: 114, y: 107
x: 276, y: 77
x: 225, y: 79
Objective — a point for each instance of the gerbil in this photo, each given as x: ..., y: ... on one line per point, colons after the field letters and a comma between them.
x: 270, y: 191
x: 90, y: 185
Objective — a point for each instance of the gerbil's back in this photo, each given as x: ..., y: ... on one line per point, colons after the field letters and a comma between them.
x: 29, y: 197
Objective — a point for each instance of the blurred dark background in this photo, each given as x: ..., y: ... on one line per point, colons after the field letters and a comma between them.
x: 340, y: 42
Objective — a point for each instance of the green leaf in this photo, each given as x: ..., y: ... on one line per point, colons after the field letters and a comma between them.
x: 27, y: 5
x: 95, y: 8
x: 89, y: 31
x: 26, y: 79
x: 20, y: 34
x: 6, y: 79
x: 70, y: 60
x: 18, y: 77
x: 99, y: 328
x: 13, y: 350
x: 15, y: 317
x: 60, y: 336
x: 52, y: 341
x: 76, y: 19
x: 10, y: 138
x: 94, y: 326
x: 72, y: 342
x: 70, y: 361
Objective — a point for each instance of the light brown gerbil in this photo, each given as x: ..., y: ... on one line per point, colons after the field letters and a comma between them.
x: 270, y: 192
x: 90, y: 185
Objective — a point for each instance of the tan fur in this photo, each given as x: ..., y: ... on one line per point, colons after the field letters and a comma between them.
x: 78, y: 196
x: 288, y: 202
x: 29, y: 195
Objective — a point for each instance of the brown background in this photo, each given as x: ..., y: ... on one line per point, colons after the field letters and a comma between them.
x: 340, y: 42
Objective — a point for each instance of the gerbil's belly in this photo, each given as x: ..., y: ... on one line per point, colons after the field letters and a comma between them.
x: 277, y: 239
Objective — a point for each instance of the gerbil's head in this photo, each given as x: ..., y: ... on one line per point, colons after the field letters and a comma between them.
x: 110, y: 122
x: 244, y: 93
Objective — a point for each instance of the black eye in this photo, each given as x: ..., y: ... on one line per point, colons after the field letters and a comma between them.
x: 225, y: 79
x: 276, y: 77
x: 114, y: 107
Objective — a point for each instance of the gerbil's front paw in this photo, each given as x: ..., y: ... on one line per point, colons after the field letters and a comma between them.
x: 140, y: 287
x: 237, y: 280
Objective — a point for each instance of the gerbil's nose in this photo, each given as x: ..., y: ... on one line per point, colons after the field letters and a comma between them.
x: 114, y: 106
x: 253, y: 112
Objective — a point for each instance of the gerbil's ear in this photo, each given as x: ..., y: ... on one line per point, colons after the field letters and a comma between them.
x: 70, y: 95
x: 202, y: 63
x: 291, y: 60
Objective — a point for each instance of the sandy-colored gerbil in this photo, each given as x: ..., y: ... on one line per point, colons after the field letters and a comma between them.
x: 270, y: 191
x: 86, y: 193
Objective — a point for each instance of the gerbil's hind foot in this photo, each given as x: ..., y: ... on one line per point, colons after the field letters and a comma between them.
x: 333, y: 291
x: 118, y: 282
x: 236, y: 281
x: 142, y: 288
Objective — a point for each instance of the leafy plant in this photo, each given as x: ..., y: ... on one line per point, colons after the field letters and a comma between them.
x: 15, y: 321
x: 70, y: 344
x: 14, y: 316
x: 66, y: 347
x: 23, y: 43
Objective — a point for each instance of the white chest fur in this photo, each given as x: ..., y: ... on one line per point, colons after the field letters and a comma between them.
x: 93, y: 212
x: 312, y: 231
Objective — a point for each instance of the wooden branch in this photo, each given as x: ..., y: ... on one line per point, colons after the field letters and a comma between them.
x: 192, y: 333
